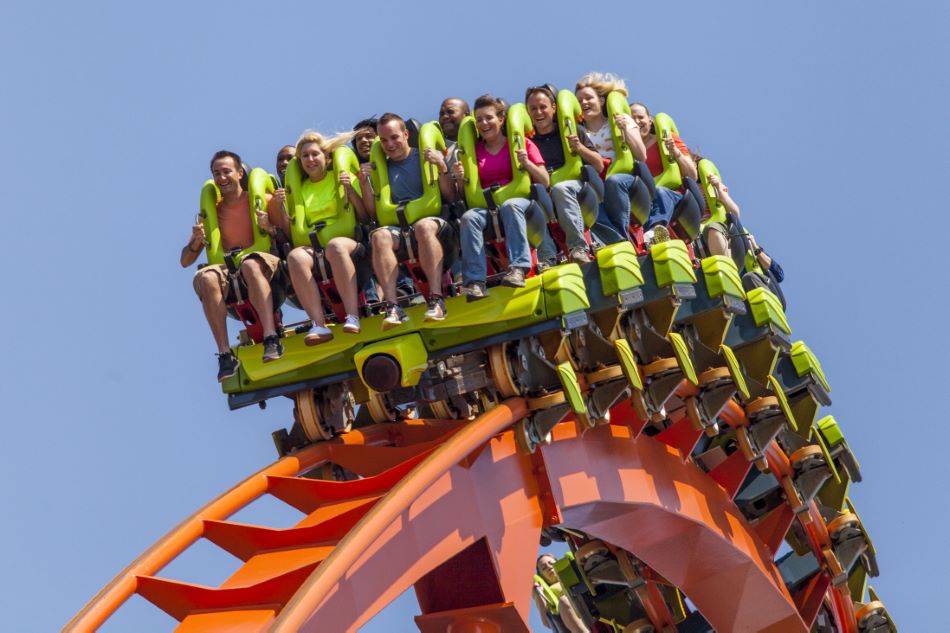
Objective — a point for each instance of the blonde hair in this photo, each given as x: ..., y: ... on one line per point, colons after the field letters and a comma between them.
x: 327, y: 145
x: 602, y: 83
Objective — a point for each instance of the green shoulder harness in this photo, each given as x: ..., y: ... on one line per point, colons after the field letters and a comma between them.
x: 568, y: 114
x: 623, y: 157
x: 717, y: 210
x: 333, y: 209
x: 259, y: 185
x: 427, y: 205
x: 670, y: 177
x: 519, y: 126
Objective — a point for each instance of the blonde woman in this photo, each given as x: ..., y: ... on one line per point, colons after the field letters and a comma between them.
x: 591, y: 91
x: 315, y: 152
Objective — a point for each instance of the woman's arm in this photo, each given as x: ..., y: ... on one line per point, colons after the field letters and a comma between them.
x: 631, y: 135
x: 588, y: 155
x: 535, y: 169
x: 354, y: 198
x: 680, y: 154
x: 724, y: 197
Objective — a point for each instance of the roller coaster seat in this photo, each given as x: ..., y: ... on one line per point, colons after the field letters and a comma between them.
x: 400, y: 218
x: 259, y: 184
x: 328, y: 204
x: 407, y: 249
x: 323, y: 272
x: 518, y: 128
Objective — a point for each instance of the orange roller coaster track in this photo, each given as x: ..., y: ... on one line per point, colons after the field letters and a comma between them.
x: 455, y: 510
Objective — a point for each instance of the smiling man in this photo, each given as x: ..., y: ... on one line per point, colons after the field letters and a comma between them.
x: 431, y: 237
x: 212, y: 283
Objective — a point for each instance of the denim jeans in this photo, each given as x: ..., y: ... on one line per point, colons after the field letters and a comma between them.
x: 615, y: 212
x: 568, y: 209
x: 664, y: 201
x: 475, y: 221
x: 547, y: 249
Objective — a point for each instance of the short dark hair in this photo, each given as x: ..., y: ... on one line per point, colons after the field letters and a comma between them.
x: 226, y: 154
x: 369, y: 122
x: 545, y: 89
x: 389, y: 117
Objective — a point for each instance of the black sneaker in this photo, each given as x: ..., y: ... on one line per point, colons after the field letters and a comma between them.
x: 272, y: 348
x: 474, y: 291
x: 436, y: 310
x: 395, y: 316
x: 228, y: 365
x: 514, y: 278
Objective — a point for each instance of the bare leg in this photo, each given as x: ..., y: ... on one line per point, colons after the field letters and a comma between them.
x: 216, y: 312
x: 430, y: 253
x: 384, y: 263
x: 300, y: 265
x: 340, y: 254
x: 717, y: 243
x: 260, y: 294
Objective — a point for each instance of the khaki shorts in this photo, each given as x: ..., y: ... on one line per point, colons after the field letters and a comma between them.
x: 268, y: 262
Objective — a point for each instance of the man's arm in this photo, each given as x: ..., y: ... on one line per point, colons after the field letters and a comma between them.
x: 366, y: 189
x: 446, y: 183
x: 191, y: 250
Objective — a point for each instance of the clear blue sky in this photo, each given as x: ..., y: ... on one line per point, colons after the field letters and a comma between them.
x: 827, y: 120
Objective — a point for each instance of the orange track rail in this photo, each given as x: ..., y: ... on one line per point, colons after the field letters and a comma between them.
x: 456, y: 511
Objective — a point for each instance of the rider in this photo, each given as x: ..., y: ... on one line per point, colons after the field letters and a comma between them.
x: 315, y: 153
x: 664, y: 200
x: 591, y: 91
x: 212, y: 282
x: 405, y: 178
x: 542, y: 106
x: 495, y: 168
x: 557, y: 612
x: 364, y: 133
x: 284, y: 156
x: 451, y: 113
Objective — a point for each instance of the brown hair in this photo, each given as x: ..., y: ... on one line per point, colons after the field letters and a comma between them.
x: 389, y: 117
x: 489, y: 101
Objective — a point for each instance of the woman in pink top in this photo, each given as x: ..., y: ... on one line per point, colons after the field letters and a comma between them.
x: 494, y: 167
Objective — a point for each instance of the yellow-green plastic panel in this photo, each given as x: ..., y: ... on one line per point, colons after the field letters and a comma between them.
x: 572, y: 390
x: 409, y: 352
x: 564, y: 290
x: 783, y: 402
x: 681, y: 351
x: 722, y: 277
x: 805, y: 361
x: 672, y: 264
x: 619, y: 268
x: 629, y: 363
x: 735, y: 370
x: 767, y: 309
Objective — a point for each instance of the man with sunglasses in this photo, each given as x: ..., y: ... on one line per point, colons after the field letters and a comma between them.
x: 542, y: 107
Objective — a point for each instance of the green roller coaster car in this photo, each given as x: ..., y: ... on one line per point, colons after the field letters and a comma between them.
x: 509, y: 313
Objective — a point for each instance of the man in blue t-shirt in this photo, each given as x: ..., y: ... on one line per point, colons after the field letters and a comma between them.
x: 432, y: 238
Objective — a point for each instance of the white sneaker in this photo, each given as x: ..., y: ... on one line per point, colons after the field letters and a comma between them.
x: 318, y: 334
x: 352, y: 324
